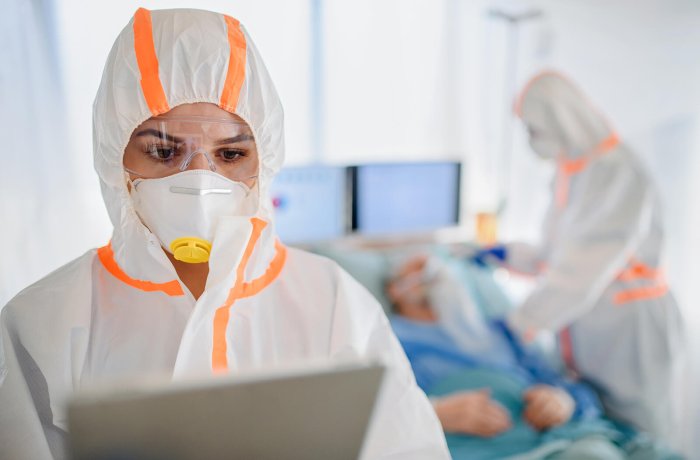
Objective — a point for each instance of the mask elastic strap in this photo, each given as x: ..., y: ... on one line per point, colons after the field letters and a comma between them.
x: 129, y: 183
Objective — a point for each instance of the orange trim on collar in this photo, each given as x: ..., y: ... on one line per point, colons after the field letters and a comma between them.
x: 242, y: 289
x: 568, y: 168
x: 235, y: 75
x: 577, y: 165
x: 147, y: 60
x: 106, y: 256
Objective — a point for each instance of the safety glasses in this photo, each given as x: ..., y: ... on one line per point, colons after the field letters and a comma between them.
x: 163, y: 146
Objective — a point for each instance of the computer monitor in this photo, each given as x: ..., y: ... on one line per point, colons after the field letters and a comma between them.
x: 310, y: 203
x: 405, y: 197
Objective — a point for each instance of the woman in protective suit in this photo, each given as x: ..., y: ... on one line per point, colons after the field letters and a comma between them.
x: 598, y: 278
x: 187, y: 136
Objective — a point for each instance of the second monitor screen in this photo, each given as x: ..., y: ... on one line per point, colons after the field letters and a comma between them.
x: 408, y: 197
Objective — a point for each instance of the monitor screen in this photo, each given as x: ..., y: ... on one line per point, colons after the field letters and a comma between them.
x: 310, y: 203
x: 405, y: 197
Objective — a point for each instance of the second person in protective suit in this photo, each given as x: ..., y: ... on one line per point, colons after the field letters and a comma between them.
x: 599, y: 280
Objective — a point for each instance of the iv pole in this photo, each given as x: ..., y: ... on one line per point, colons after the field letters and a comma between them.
x: 513, y: 21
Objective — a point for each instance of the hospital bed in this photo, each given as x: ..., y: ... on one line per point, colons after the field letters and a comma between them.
x: 371, y: 262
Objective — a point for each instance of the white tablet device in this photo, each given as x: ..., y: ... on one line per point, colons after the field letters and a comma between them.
x: 315, y: 413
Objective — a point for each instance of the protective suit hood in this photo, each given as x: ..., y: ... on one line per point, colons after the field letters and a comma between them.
x: 565, y: 121
x: 160, y: 60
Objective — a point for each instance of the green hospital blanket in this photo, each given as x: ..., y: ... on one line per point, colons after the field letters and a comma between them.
x: 521, y: 438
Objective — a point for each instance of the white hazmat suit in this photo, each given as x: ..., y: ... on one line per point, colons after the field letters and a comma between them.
x: 599, y: 281
x: 120, y: 312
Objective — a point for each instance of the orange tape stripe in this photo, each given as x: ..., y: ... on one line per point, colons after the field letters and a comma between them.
x: 568, y: 168
x: 242, y: 289
x: 520, y: 98
x: 258, y: 226
x: 221, y: 317
x: 567, y: 348
x: 640, y: 271
x: 236, y: 66
x: 577, y: 165
x: 106, y: 256
x: 148, y: 63
x: 608, y: 144
x: 219, y: 361
x: 561, y: 193
x: 645, y: 293
x: 273, y: 270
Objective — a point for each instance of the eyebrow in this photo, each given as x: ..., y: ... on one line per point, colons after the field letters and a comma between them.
x: 168, y: 137
x: 158, y: 134
x: 233, y: 140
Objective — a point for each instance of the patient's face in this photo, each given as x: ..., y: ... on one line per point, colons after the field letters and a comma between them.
x: 408, y: 292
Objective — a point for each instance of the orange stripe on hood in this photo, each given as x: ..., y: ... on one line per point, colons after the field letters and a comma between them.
x: 148, y: 63
x: 236, y: 66
x: 520, y: 98
x: 106, y: 256
x: 242, y: 289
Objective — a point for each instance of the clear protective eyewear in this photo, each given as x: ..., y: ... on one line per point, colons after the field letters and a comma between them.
x: 166, y: 145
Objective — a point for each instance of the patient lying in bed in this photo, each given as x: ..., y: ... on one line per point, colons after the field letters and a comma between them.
x: 495, y: 397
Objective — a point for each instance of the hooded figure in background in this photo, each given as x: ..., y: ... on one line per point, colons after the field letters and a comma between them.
x: 124, y: 312
x: 598, y: 277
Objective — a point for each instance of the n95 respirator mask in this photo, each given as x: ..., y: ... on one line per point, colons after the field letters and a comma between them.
x: 183, y: 210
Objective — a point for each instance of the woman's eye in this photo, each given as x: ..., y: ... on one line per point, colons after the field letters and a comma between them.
x: 230, y: 154
x: 162, y: 153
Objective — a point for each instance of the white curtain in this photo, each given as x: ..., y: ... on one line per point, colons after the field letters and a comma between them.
x: 37, y: 192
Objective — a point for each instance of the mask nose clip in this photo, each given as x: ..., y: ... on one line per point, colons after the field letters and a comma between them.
x: 188, y: 160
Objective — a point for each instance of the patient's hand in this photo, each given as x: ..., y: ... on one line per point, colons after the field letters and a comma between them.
x: 472, y: 412
x: 547, y: 406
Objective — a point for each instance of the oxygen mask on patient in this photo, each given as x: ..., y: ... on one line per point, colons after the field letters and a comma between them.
x: 437, y: 283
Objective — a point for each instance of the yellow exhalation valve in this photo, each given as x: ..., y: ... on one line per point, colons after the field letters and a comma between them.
x: 191, y: 249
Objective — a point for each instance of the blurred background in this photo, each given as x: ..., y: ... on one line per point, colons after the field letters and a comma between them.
x: 371, y: 81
